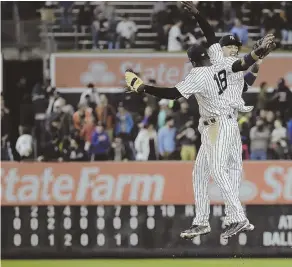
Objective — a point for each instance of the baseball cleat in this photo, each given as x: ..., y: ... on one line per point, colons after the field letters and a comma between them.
x: 249, y: 228
x: 195, y: 230
x: 235, y: 228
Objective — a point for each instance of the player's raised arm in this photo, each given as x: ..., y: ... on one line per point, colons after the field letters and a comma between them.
x: 266, y: 46
x: 190, y: 85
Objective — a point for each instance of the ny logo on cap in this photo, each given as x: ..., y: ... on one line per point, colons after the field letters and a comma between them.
x: 232, y: 37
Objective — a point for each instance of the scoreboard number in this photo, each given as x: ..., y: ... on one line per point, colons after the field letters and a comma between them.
x: 100, y: 211
x: 117, y: 223
x: 83, y: 223
x: 83, y: 211
x: 67, y: 223
x: 100, y: 240
x: 16, y: 211
x: 242, y: 239
x: 168, y: 211
x: 84, y: 240
x: 67, y: 211
x: 51, y: 211
x: 150, y: 223
x: 16, y: 223
x: 34, y: 211
x: 118, y: 239
x: 100, y: 223
x: 51, y: 240
x: 17, y: 240
x: 67, y: 240
x: 51, y: 224
x: 34, y: 240
x: 34, y: 224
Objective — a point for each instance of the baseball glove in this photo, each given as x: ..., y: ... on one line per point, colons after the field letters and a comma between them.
x: 133, y: 81
x: 268, y: 49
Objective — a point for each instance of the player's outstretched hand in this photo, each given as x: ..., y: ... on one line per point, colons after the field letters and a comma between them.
x: 133, y: 81
x: 265, y: 44
x: 190, y: 7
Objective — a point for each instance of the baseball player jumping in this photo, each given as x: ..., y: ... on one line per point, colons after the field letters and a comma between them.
x: 230, y: 45
x: 208, y: 83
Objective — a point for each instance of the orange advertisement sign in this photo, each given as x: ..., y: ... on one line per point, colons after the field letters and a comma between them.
x: 149, y: 183
x: 75, y: 71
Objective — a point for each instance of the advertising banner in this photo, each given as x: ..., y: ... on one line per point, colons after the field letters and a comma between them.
x: 135, y: 183
x: 72, y: 72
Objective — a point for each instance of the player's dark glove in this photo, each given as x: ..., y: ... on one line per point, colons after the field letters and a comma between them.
x: 265, y: 45
x: 134, y: 83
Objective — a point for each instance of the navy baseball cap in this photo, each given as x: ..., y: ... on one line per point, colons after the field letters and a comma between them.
x: 197, y: 53
x: 230, y: 40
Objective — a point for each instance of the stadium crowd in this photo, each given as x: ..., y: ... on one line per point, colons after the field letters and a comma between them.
x: 141, y: 128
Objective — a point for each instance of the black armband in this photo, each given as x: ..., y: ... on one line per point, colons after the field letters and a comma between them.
x: 250, y: 78
x: 162, y: 92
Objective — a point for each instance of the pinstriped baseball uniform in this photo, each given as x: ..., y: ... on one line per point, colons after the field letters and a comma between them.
x: 201, y: 171
x: 208, y: 85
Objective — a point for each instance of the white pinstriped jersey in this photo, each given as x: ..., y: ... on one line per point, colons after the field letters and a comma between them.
x: 210, y: 85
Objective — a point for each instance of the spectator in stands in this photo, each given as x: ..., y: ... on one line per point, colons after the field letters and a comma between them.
x: 73, y: 149
x: 175, y: 38
x: 24, y: 144
x: 85, y: 17
x: 99, y: 30
x: 278, y: 142
x: 241, y: 31
x: 118, y: 150
x: 4, y: 131
x: 259, y: 141
x: 186, y: 137
x: 90, y: 97
x: 100, y: 143
x: 81, y: 117
x: 66, y: 13
x: 60, y: 120
x: 283, y: 98
x: 124, y: 121
x: 164, y: 111
x: 182, y: 116
x: 262, y: 96
x: 106, y: 114
x: 269, y: 120
x: 112, y: 34
x: 166, y: 140
x: 126, y: 30
x: 148, y: 113
x: 146, y: 143
x: 52, y: 96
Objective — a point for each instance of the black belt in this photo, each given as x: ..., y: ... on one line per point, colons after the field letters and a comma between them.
x: 213, y: 120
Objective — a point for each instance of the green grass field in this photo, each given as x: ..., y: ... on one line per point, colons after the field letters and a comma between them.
x: 151, y: 263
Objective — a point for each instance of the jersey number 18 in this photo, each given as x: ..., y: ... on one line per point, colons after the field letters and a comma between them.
x: 221, y: 81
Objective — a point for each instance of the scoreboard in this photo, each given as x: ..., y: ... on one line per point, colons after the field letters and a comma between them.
x: 138, y: 231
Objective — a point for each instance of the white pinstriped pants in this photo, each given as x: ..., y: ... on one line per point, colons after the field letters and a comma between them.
x: 220, y: 157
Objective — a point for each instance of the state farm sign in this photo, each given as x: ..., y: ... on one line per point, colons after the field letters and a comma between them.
x: 134, y: 183
x: 75, y: 71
